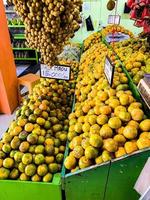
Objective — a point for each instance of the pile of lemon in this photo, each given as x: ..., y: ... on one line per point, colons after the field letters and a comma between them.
x: 107, y: 122
x: 135, y: 55
x: 33, y: 147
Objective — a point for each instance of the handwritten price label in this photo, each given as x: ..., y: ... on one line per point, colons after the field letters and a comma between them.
x: 109, y: 70
x: 56, y: 72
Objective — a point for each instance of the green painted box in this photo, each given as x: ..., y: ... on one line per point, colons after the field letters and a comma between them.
x: 89, y: 183
x: 123, y: 175
x: 25, y: 190
x: 108, y: 181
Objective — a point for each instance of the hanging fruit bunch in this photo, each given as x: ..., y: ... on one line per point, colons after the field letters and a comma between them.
x: 49, y: 24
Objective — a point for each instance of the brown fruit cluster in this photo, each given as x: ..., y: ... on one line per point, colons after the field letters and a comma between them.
x: 49, y: 24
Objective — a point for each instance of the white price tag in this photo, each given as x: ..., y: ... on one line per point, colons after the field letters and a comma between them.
x: 56, y: 72
x: 109, y: 70
x: 114, y: 19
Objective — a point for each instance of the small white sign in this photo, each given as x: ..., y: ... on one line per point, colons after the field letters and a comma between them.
x: 109, y: 70
x: 56, y: 72
x: 114, y: 19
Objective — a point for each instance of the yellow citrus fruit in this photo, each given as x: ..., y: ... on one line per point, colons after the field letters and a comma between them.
x: 84, y: 162
x: 137, y: 114
x: 102, y: 119
x: 124, y: 116
x: 120, y: 152
x: 106, y: 156
x: 92, y: 119
x: 96, y: 140
x: 114, y: 122
x: 78, y: 152
x: 86, y: 127
x: 94, y: 129
x: 120, y: 139
x: 143, y: 143
x: 110, y: 145
x: 16, y: 130
x: 91, y: 152
x: 105, y: 110
x: 119, y: 109
x: 124, y: 99
x: 97, y: 110
x: 145, y: 135
x: 70, y: 162
x: 99, y: 160
x: 130, y: 147
x: 130, y: 132
x: 86, y: 108
x: 106, y: 131
x: 114, y: 103
x: 133, y: 123
x: 78, y: 127
x: 40, y: 121
x: 145, y: 125
x: 29, y: 127
x: 103, y: 96
x: 21, y: 122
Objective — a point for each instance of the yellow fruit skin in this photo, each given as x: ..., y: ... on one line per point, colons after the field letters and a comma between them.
x: 130, y: 132
x: 106, y: 156
x: 99, y: 160
x: 114, y: 122
x: 120, y: 139
x: 143, y: 143
x: 70, y: 162
x: 137, y: 114
x: 130, y: 147
x: 145, y: 135
x: 96, y: 140
x: 106, y: 131
x: 84, y: 162
x: 110, y: 145
x: 145, y: 125
x: 121, y: 152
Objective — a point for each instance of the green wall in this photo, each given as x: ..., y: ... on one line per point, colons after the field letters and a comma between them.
x: 99, y: 14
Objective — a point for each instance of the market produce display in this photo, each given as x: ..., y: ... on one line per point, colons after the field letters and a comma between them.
x: 33, y: 147
x: 91, y: 40
x: 135, y: 54
x: 107, y: 122
x: 116, y: 28
x: 49, y: 24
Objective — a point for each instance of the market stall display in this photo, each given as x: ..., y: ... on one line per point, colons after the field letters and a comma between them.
x: 107, y: 122
x: 49, y: 25
x: 33, y: 146
x: 135, y: 54
x: 116, y: 28
x: 91, y: 40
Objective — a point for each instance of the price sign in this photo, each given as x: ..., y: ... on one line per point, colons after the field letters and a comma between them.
x: 61, y: 72
x: 144, y: 89
x: 109, y: 70
x: 117, y: 37
x: 114, y: 19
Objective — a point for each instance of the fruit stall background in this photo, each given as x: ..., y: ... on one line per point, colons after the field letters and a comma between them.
x: 99, y: 14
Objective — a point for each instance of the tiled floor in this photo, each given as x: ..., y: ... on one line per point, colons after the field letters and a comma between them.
x: 5, y: 121
x: 21, y: 68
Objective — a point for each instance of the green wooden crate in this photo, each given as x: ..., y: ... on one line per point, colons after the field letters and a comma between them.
x: 108, y: 181
x: 89, y: 183
x: 123, y: 176
x: 25, y: 190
